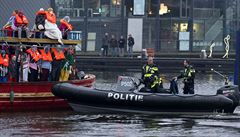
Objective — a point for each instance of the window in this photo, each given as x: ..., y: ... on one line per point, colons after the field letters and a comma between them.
x: 170, y: 8
x: 138, y: 7
x: 72, y: 8
x: 104, y: 8
x: 152, y: 8
x: 203, y: 3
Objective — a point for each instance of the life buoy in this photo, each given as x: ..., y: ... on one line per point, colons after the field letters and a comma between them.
x: 46, y: 57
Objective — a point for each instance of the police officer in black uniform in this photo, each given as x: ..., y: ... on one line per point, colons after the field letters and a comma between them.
x: 188, y: 78
x: 150, y: 77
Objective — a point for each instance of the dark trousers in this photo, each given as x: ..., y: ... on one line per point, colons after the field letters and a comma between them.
x: 3, y: 79
x: 56, y: 73
x: 65, y: 36
x: 39, y: 34
x: 33, y: 76
x: 105, y: 50
x: 17, y: 70
x: 188, y: 88
x: 44, y: 74
x: 23, y: 34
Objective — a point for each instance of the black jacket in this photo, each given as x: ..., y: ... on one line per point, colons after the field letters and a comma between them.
x: 113, y: 43
x: 131, y: 41
x: 40, y: 20
x: 121, y: 43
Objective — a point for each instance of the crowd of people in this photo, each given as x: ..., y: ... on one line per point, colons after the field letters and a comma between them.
x: 117, y: 47
x: 45, y: 22
x: 153, y: 83
x: 37, y: 63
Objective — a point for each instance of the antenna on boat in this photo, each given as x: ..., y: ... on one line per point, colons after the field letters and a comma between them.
x: 224, y: 76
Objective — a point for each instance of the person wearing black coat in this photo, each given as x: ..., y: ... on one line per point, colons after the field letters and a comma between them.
x: 121, y: 43
x: 105, y: 43
x: 188, y: 76
x: 130, y: 45
x: 40, y: 22
x: 114, y: 46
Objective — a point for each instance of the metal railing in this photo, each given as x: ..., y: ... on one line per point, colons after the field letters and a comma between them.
x: 72, y: 35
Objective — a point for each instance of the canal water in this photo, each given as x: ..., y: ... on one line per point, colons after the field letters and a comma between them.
x: 69, y: 123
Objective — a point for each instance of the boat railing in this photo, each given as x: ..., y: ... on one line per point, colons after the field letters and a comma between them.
x: 37, y: 37
x: 72, y: 35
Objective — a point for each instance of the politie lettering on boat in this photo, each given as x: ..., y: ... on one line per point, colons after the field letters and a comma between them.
x: 121, y: 96
x: 128, y: 98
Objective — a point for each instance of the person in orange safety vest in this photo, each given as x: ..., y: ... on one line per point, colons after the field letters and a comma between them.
x: 10, y: 25
x: 65, y: 26
x: 21, y: 22
x: 40, y: 19
x: 46, y: 63
x: 39, y: 25
x: 59, y: 57
x: 51, y: 29
x: 50, y: 16
x: 34, y: 68
x: 4, y: 63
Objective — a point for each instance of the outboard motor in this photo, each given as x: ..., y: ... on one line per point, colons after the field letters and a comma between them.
x: 126, y: 84
x: 232, y: 92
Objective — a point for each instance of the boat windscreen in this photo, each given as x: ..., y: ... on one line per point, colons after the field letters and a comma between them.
x: 126, y: 84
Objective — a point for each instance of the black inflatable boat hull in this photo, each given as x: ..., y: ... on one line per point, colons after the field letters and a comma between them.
x: 88, y: 100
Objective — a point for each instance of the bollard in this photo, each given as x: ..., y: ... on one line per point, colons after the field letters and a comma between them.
x: 203, y: 54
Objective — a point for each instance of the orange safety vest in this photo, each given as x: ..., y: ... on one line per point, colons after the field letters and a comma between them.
x: 35, y: 55
x: 58, y: 56
x: 67, y: 24
x: 40, y: 12
x: 51, y: 17
x: 4, y: 61
x: 46, y: 57
x: 21, y: 20
x: 1, y: 59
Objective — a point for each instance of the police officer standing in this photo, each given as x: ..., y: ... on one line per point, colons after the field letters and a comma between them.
x: 150, y: 76
x: 188, y: 78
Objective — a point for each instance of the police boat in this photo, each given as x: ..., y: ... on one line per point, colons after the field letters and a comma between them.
x: 128, y: 98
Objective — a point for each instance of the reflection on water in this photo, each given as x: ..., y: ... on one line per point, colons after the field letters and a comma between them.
x: 69, y: 123
x: 72, y: 124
